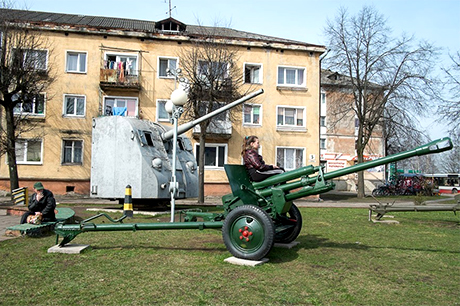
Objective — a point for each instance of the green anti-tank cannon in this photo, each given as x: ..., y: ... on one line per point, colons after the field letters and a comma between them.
x: 256, y: 214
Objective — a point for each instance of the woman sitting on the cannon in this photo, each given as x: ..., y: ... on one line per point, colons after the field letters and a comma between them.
x: 254, y: 163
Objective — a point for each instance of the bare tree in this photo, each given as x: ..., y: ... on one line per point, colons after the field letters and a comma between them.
x: 363, y: 49
x: 214, y: 79
x: 450, y: 161
x: 449, y: 109
x: 402, y: 133
x: 24, y: 75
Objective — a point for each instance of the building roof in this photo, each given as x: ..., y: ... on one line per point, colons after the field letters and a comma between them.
x: 80, y: 23
x: 333, y: 78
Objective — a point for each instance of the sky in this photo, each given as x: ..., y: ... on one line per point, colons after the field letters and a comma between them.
x: 437, y: 21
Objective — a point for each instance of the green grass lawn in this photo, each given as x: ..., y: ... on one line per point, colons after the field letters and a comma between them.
x: 342, y: 259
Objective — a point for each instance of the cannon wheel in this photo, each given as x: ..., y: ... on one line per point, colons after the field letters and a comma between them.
x: 248, y: 232
x: 292, y: 217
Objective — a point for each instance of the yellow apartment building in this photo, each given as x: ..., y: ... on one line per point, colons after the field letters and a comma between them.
x: 112, y: 66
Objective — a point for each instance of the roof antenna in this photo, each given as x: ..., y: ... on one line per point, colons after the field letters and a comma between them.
x: 170, y: 9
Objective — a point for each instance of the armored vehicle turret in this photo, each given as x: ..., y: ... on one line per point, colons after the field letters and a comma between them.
x: 130, y: 151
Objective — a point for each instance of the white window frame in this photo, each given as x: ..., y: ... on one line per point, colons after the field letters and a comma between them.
x: 291, y: 126
x: 209, y: 66
x: 261, y: 73
x: 118, y: 98
x: 168, y: 58
x: 118, y: 55
x: 322, y: 143
x: 322, y: 121
x: 63, y: 162
x: 290, y: 148
x: 218, y: 119
x: 252, y: 115
x: 79, y: 61
x: 22, y: 112
x: 24, y: 57
x: 64, y: 109
x: 26, y: 143
x: 213, y: 145
x: 159, y: 103
x: 297, y: 69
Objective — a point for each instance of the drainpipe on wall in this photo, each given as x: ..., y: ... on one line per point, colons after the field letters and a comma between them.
x: 322, y: 56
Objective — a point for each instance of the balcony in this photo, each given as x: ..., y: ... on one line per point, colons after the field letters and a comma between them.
x: 217, y: 130
x: 119, y: 79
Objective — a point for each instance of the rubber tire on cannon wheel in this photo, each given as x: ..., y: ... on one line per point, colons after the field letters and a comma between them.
x: 248, y: 232
x: 291, y: 234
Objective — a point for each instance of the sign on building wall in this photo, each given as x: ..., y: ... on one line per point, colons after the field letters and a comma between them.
x: 332, y: 165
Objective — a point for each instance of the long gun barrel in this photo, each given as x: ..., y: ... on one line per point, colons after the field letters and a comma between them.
x: 189, y: 125
x: 435, y: 146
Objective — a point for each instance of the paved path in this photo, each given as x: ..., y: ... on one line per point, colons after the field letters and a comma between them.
x: 6, y: 221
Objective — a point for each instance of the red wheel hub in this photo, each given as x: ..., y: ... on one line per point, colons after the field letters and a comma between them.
x: 245, y: 233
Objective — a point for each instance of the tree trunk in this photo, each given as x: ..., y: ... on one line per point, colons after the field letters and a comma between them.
x: 361, y: 193
x: 11, y: 149
x: 360, y: 153
x: 201, y: 162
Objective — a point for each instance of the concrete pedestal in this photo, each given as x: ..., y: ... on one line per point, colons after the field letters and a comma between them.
x: 245, y: 262
x: 68, y: 249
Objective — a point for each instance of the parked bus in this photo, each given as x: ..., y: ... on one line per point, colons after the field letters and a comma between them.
x: 445, y: 182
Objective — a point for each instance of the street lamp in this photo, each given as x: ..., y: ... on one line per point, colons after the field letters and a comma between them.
x: 175, y: 108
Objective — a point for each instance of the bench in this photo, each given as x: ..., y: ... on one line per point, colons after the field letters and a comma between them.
x: 381, y: 209
x: 63, y: 214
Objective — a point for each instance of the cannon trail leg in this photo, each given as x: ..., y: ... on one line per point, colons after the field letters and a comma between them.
x: 248, y: 232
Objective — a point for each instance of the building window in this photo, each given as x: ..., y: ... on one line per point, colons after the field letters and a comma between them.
x: 74, y: 105
x: 33, y: 105
x: 162, y: 114
x: 76, y: 62
x: 290, y: 158
x: 120, y: 106
x: 166, y: 64
x: 124, y: 64
x: 215, y: 155
x: 31, y: 59
x: 29, y: 151
x: 322, y: 143
x: 207, y: 107
x: 252, y: 114
x: 253, y: 73
x: 323, y: 97
x: 322, y: 121
x: 290, y: 116
x: 291, y: 76
x: 213, y: 71
x: 72, y: 152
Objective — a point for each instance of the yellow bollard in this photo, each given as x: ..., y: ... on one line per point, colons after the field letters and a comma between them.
x: 21, y: 196
x: 128, y: 205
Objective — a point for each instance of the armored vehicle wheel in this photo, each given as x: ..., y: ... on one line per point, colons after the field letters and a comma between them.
x: 248, y: 232
x: 292, y: 218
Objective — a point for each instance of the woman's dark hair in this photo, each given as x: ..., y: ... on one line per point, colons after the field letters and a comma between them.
x: 247, y: 143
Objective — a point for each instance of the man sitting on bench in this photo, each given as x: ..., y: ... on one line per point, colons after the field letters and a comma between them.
x: 42, y: 203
